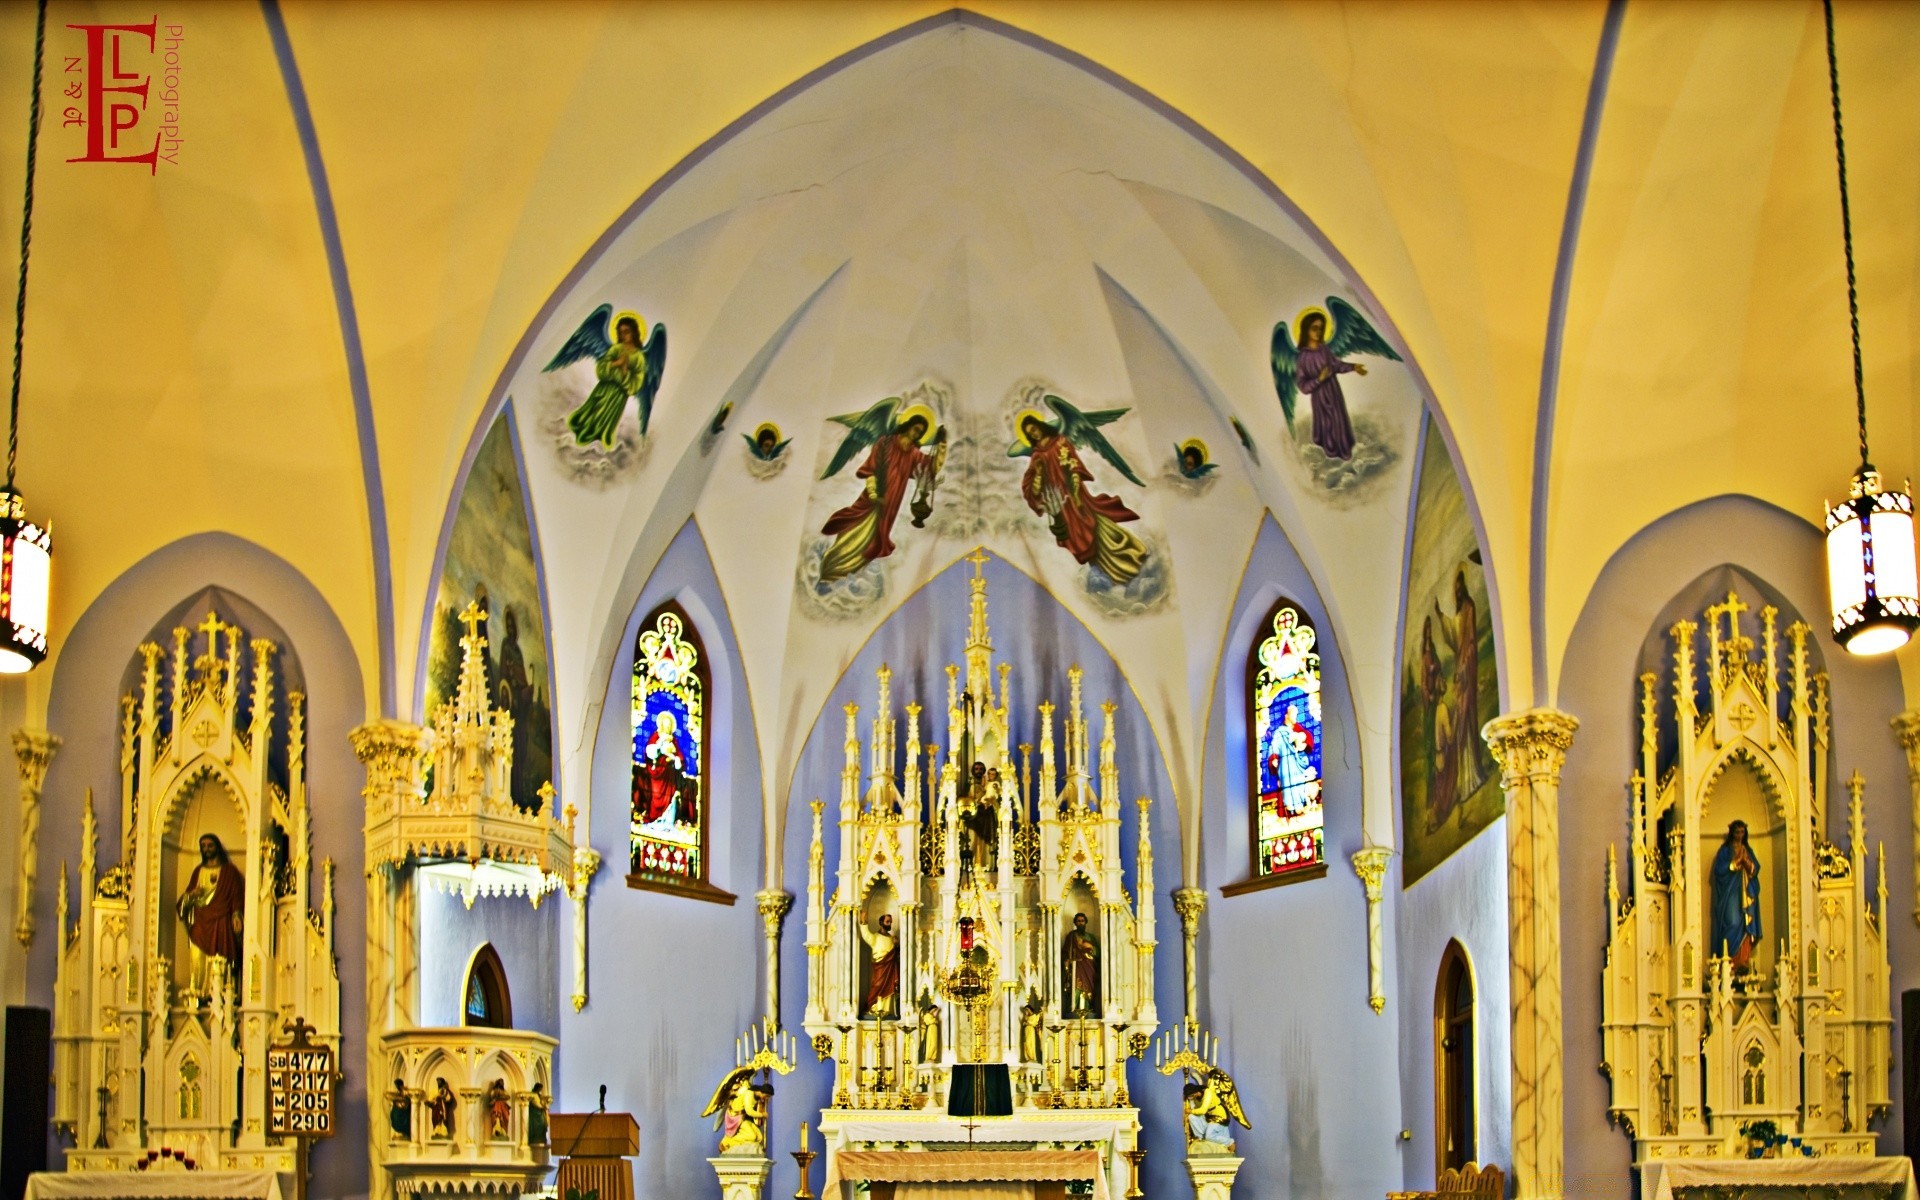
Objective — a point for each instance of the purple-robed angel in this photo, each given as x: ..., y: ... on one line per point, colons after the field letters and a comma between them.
x: 1315, y: 367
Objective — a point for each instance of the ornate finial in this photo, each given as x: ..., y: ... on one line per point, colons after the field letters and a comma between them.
x: 211, y: 627
x: 979, y: 560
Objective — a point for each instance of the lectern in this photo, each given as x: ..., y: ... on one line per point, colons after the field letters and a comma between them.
x: 594, y: 1148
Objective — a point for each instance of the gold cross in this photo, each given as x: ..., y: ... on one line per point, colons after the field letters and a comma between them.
x: 978, y: 558
x: 471, y: 618
x: 211, y: 627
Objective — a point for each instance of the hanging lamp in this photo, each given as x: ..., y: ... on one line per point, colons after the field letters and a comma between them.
x: 1871, y: 576
x: 26, y: 549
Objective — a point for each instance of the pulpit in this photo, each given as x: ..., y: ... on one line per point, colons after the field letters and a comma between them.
x: 595, y: 1148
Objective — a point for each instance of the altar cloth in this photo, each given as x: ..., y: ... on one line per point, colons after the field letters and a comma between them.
x: 966, y: 1166
x: 153, y: 1185
x: 1764, y: 1178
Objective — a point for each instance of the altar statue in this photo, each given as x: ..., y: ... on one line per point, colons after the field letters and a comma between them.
x: 1030, y: 1015
x: 210, y: 905
x: 440, y: 1109
x: 929, y: 1028
x: 1080, y: 970
x: 739, y: 1107
x: 1736, y: 899
x: 1212, y: 1104
x: 883, y: 983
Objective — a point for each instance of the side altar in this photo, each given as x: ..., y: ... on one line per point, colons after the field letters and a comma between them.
x: 179, y: 966
x: 978, y: 916
x: 1747, y: 999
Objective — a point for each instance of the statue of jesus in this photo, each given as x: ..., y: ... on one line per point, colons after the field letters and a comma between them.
x: 210, y: 906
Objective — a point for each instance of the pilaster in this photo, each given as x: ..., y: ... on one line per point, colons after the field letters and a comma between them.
x: 1531, y: 747
x: 1906, y: 728
x: 1370, y: 864
x: 33, y: 750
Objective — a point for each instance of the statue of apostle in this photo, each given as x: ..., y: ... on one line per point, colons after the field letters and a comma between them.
x: 883, y: 983
x: 929, y: 1028
x: 210, y: 905
x: 1080, y: 970
x: 1735, y: 885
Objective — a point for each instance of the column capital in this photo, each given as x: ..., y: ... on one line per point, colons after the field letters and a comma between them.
x: 1906, y: 730
x: 774, y: 905
x: 1530, y: 744
x: 1190, y: 903
x: 1370, y: 865
x: 33, y: 750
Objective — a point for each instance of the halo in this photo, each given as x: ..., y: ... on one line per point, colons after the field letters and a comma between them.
x: 1196, y: 444
x: 1020, y: 425
x: 613, y: 326
x: 923, y: 412
x: 1300, y: 323
x: 768, y: 427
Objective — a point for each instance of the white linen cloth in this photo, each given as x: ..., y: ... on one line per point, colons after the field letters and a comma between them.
x: 1764, y: 1178
x: 153, y: 1185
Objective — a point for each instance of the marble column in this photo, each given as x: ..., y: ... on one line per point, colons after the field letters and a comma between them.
x: 33, y: 750
x: 1190, y: 903
x: 1530, y: 747
x: 1906, y: 728
x: 774, y: 905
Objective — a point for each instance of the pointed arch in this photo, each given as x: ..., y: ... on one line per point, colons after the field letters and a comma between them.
x: 1456, y: 1125
x: 670, y: 731
x: 1288, y: 823
x: 485, y: 1000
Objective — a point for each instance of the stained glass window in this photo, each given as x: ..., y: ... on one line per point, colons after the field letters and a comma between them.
x: 1288, y: 823
x: 669, y: 819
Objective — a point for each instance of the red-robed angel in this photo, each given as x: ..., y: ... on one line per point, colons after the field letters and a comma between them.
x: 1055, y: 487
x: 909, y: 451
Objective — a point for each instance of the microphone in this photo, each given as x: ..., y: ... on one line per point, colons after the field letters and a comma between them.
x: 603, y: 1097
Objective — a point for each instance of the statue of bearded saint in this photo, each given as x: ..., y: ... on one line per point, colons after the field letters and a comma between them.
x: 210, y: 906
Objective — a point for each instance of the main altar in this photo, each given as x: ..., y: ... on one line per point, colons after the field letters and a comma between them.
x: 978, y: 916
x: 1746, y: 986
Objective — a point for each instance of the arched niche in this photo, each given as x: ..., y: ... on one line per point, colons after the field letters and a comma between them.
x: 1456, y: 1069
x: 486, y: 1000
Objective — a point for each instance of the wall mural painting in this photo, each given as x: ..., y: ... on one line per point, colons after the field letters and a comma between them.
x: 1449, y: 689
x: 586, y: 412
x: 1284, y: 696
x: 1341, y: 449
x: 490, y: 563
x: 766, y: 451
x: 668, y: 830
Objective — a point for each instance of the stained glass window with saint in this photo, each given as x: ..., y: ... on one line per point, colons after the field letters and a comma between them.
x: 669, y: 752
x: 1285, y: 685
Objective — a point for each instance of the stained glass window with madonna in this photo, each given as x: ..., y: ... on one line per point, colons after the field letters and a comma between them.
x: 669, y: 728
x: 1284, y: 727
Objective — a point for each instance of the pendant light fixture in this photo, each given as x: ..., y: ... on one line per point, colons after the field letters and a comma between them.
x: 26, y: 549
x: 1871, y: 576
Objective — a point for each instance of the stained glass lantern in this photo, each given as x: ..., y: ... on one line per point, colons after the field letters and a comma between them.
x: 1870, y: 567
x: 26, y: 572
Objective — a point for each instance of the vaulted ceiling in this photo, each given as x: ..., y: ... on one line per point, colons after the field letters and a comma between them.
x: 1625, y: 224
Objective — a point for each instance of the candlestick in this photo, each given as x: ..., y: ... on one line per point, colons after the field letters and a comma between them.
x: 804, y: 1158
x: 803, y: 1135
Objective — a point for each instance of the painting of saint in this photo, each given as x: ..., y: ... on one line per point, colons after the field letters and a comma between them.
x: 623, y: 368
x: 1735, y: 887
x: 490, y: 563
x: 210, y: 906
x: 1080, y: 971
x: 1449, y: 687
x: 905, y: 449
x: 883, y: 977
x: 1086, y: 524
x: 1315, y: 363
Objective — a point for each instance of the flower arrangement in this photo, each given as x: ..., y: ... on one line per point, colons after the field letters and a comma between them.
x: 1764, y: 1140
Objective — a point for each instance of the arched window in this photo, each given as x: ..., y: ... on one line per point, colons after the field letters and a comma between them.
x: 1453, y: 1045
x: 670, y: 793
x: 485, y: 1001
x: 1283, y: 696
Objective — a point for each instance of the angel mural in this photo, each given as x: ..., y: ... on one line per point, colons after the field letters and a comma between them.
x: 623, y: 369
x: 904, y: 448
x: 1055, y: 487
x: 1191, y: 459
x: 1315, y: 364
x: 765, y: 443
